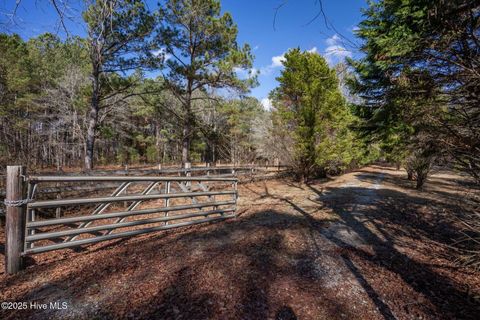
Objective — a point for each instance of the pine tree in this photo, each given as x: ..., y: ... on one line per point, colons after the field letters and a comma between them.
x: 418, y: 78
x: 118, y: 41
x: 202, y: 54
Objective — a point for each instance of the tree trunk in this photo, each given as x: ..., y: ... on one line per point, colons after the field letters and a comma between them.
x: 188, y: 124
x: 410, y: 175
x: 186, y: 141
x: 232, y: 152
x: 208, y: 151
x: 398, y: 165
x: 92, y: 122
x: 214, y: 154
x: 420, y: 183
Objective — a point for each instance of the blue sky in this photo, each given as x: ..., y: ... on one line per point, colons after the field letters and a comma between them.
x: 292, y: 29
x: 255, y: 24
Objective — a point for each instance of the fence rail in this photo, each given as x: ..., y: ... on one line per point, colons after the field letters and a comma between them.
x: 34, y: 223
x: 225, y: 171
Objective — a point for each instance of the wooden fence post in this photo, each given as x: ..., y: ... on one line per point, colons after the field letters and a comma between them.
x: 15, y: 219
x: 188, y: 172
x: 188, y: 166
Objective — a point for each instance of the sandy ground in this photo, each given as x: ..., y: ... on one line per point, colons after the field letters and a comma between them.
x: 364, y: 245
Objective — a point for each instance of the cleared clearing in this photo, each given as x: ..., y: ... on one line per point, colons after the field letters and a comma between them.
x: 362, y: 246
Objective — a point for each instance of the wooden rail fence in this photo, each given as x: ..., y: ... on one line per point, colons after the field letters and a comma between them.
x: 34, y: 226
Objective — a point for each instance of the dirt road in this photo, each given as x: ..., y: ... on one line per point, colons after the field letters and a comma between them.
x: 361, y: 246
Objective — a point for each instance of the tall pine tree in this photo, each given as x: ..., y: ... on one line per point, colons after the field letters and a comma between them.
x: 118, y: 34
x: 202, y: 54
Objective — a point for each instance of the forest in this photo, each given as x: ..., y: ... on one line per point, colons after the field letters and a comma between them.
x: 170, y: 83
x: 118, y: 95
x: 94, y: 100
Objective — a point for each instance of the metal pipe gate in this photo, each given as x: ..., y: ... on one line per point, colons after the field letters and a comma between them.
x: 169, y: 202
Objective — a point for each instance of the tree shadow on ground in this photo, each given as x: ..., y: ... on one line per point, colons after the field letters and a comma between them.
x: 228, y: 270
x: 285, y: 313
x: 395, y: 215
x: 319, y: 226
x: 180, y: 292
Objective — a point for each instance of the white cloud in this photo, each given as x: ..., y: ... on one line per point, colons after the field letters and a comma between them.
x: 161, y: 51
x: 266, y: 70
x: 267, y: 104
x: 335, y: 51
x: 277, y: 61
x: 333, y: 40
x: 245, y: 73
x: 240, y: 71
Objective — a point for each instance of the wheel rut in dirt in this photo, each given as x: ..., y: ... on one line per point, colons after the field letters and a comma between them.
x: 363, y: 195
